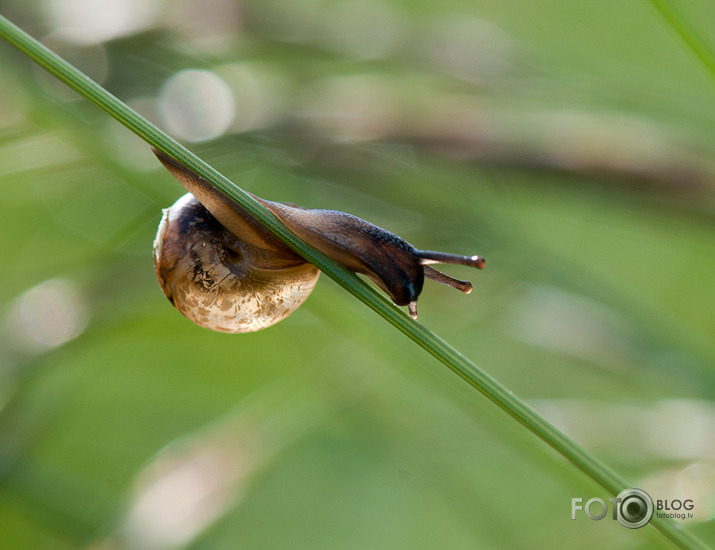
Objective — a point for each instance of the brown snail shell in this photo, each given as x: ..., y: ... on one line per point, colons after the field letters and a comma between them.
x: 214, y: 278
x: 224, y: 271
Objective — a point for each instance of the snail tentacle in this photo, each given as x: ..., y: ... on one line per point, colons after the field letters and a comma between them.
x: 439, y: 277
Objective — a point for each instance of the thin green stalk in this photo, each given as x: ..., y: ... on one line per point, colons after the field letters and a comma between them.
x: 432, y: 343
x: 683, y: 28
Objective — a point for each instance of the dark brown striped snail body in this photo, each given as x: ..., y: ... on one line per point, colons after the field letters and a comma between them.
x: 224, y: 271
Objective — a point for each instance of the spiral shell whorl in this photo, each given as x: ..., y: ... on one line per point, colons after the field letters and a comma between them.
x: 211, y: 277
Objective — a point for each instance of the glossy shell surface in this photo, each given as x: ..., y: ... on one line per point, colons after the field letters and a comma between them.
x: 220, y: 282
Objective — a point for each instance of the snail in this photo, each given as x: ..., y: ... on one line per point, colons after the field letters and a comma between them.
x: 224, y: 271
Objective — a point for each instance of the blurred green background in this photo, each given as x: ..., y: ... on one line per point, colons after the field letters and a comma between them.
x: 570, y: 143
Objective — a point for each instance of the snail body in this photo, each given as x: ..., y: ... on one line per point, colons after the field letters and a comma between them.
x: 224, y: 271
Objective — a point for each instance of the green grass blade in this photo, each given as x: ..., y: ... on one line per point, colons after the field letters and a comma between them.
x: 429, y: 341
x: 683, y: 28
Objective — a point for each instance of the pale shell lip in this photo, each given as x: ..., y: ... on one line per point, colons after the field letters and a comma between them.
x: 161, y: 234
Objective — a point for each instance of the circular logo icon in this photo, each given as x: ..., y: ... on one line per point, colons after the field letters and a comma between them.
x: 634, y: 509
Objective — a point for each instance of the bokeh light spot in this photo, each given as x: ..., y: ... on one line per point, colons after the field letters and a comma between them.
x: 93, y: 22
x: 365, y: 29
x: 196, y: 105
x: 352, y: 108
x: 47, y: 316
x: 259, y: 94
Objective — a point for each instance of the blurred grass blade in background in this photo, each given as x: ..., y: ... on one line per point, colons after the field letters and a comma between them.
x: 685, y: 30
